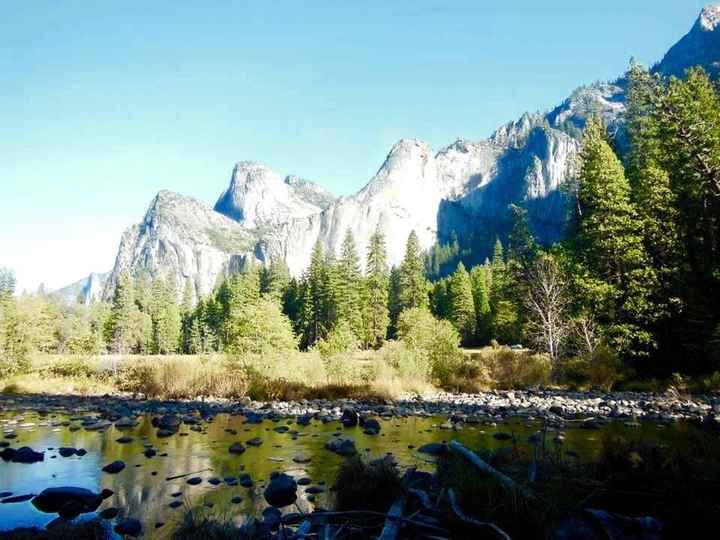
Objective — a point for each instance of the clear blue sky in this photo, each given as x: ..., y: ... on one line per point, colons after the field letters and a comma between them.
x: 102, y: 104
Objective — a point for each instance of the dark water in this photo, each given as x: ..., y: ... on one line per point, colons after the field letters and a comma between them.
x: 140, y: 493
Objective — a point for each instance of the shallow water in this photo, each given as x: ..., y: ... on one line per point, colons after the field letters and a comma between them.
x: 142, y: 491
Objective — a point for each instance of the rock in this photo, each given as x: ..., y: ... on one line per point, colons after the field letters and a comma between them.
x: 501, y: 436
x: 433, y: 449
x: 128, y: 527
x: 65, y: 451
x: 370, y: 426
x: 257, y: 441
x: 314, y: 490
x: 150, y: 452
x: 301, y: 458
x: 109, y: 513
x: 272, y: 517
x: 246, y: 480
x: 22, y: 455
x: 303, y: 420
x: 236, y: 500
x: 97, y: 426
x: 114, y: 467
x: 53, y: 500
x: 281, y: 491
x: 349, y: 418
x: 304, y: 481
x: 194, y: 481
x: 125, y: 422
x: 168, y: 422
x: 236, y: 448
x: 342, y: 446
x: 281, y: 429
x: 124, y: 440
x: 16, y: 499
x: 175, y: 504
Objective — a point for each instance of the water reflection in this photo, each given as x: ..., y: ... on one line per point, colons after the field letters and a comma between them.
x: 141, y: 489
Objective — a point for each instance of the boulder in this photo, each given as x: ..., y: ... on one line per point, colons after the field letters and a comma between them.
x: 128, y: 527
x: 281, y: 491
x: 67, y: 501
x: 349, y: 418
x: 342, y: 446
x: 114, y: 467
x: 236, y: 448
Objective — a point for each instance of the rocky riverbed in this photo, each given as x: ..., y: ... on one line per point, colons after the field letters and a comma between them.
x: 459, y: 408
x: 140, y: 463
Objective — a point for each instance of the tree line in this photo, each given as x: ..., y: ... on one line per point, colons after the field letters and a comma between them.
x: 636, y: 279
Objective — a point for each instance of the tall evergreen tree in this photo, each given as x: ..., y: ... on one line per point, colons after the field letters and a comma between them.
x: 462, y: 305
x: 481, y: 301
x: 376, y: 315
x: 609, y: 245
x: 313, y: 299
x: 348, y: 293
x: 413, y: 285
x: 394, y: 304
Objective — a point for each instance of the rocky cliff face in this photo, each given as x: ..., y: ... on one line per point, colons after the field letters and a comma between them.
x: 699, y: 47
x: 183, y: 238
x: 464, y: 188
x: 85, y: 291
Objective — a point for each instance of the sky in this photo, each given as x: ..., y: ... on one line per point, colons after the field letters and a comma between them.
x: 103, y: 104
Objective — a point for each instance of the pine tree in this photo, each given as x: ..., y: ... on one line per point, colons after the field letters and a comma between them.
x: 275, y: 280
x: 126, y: 328
x: 413, y: 285
x: 462, y: 306
x: 610, y: 246
x: 376, y: 314
x: 313, y: 301
x: 348, y: 293
x: 481, y: 301
x: 394, y: 305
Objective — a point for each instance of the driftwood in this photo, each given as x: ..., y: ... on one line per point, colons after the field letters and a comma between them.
x: 490, y: 528
x: 391, y: 529
x: 370, y: 513
x: 508, y: 483
x: 185, y: 474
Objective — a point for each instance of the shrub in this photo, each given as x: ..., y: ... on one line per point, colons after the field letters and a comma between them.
x: 439, y: 340
x: 181, y: 378
x: 340, y: 340
x: 516, y: 369
x: 73, y: 366
x: 604, y: 370
x: 260, y: 327
x: 362, y: 485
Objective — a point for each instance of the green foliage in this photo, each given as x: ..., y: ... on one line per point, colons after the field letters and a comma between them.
x: 259, y: 327
x: 508, y: 369
x: 438, y: 340
x: 413, y: 287
x: 376, y: 315
x: 612, y: 274
x: 461, y: 304
x: 348, y: 287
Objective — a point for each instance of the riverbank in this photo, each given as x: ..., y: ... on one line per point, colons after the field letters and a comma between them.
x: 458, y: 409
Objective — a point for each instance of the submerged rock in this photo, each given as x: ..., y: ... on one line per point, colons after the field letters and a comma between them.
x: 129, y: 527
x: 68, y: 501
x: 22, y: 455
x: 342, y: 446
x: 236, y: 448
x: 282, y: 490
x: 114, y: 467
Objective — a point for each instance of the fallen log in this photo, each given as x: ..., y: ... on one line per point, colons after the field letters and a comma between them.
x: 491, y: 528
x: 391, y: 529
x: 508, y: 483
x: 185, y: 474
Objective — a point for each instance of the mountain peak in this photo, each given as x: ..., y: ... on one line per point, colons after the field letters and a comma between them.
x: 709, y: 18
